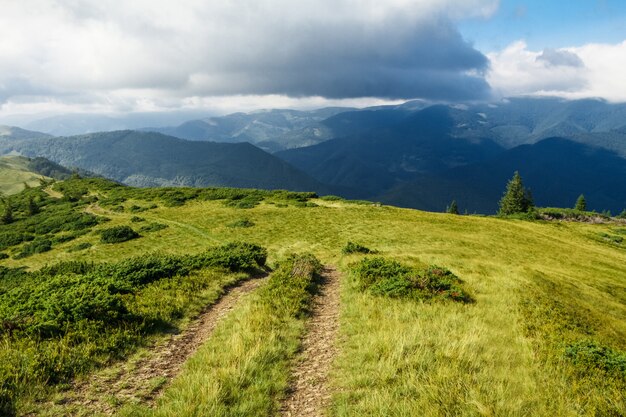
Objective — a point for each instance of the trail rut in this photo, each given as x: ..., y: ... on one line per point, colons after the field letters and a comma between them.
x: 145, y: 379
x: 310, y: 394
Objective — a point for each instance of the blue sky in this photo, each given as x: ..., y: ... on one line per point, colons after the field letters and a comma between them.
x: 548, y: 24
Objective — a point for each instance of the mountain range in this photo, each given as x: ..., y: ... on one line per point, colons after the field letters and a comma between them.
x: 417, y: 154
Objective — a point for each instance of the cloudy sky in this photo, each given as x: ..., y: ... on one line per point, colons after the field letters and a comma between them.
x: 227, y: 55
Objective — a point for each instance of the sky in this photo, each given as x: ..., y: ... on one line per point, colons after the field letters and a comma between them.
x: 76, y: 56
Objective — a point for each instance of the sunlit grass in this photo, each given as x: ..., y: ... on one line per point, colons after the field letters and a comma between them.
x: 406, y: 358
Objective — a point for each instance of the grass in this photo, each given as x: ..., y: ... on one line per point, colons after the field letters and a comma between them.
x: 540, y: 288
x: 14, y: 173
x: 244, y: 369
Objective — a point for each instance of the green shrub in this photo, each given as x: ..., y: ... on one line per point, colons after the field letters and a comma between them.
x: 8, y: 239
x: 37, y: 246
x: 233, y: 256
x: 352, y: 247
x: 331, y: 198
x: 383, y: 277
x: 243, y: 223
x: 137, y: 219
x: 611, y: 238
x: 136, y: 209
x: 80, y: 246
x: 118, y: 234
x: 247, y: 202
x: 590, y: 356
x: 3, y: 255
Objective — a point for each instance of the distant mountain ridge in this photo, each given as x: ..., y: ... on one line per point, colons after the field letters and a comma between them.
x: 425, y: 158
x: 270, y: 130
x: 153, y: 159
x: 415, y: 154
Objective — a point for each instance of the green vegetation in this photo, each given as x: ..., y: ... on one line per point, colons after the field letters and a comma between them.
x: 152, y: 227
x: 16, y: 173
x: 241, y: 223
x: 249, y: 354
x: 545, y: 334
x: 64, y: 320
x: 453, y: 208
x: 118, y: 234
x: 581, y: 203
x: 516, y: 198
x: 352, y: 247
x: 380, y: 276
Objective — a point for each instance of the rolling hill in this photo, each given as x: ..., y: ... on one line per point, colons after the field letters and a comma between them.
x: 152, y: 159
x: 18, y: 171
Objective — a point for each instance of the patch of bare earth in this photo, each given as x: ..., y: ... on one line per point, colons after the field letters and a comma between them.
x: 310, y: 394
x: 143, y: 380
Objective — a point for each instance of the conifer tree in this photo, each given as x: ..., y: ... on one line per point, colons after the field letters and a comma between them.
x: 581, y: 203
x: 516, y: 198
x: 33, y: 208
x: 453, y: 208
x: 7, y: 215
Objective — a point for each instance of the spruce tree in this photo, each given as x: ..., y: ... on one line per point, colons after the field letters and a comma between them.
x: 7, y: 215
x: 33, y: 208
x: 453, y: 208
x: 581, y: 203
x: 516, y: 198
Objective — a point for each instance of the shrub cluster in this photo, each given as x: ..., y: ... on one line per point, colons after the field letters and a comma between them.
x: 590, y: 355
x: 118, y: 234
x: 241, y: 223
x: 352, y: 247
x: 58, y: 320
x: 383, y: 277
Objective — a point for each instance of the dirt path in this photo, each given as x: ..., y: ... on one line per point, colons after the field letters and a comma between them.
x: 143, y: 380
x: 310, y: 394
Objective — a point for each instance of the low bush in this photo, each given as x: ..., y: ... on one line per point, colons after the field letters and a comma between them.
x: 611, y: 238
x: 352, y: 247
x: 8, y: 239
x: 383, y: 277
x: 80, y: 246
x: 137, y: 219
x: 118, y: 234
x: 36, y: 246
x: 591, y: 356
x: 244, y: 203
x: 242, y: 223
x: 331, y: 198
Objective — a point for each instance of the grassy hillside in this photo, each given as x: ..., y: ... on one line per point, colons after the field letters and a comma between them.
x: 15, y: 171
x: 544, y: 332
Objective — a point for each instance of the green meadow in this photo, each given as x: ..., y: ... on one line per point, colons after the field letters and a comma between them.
x: 544, y: 333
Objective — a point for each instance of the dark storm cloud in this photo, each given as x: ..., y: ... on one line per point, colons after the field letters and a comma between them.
x: 429, y: 60
x: 164, y: 50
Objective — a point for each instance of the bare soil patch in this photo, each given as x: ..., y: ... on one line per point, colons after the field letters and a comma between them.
x: 310, y: 394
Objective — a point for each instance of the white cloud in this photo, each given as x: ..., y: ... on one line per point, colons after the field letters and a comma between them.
x: 592, y: 70
x: 103, y: 52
